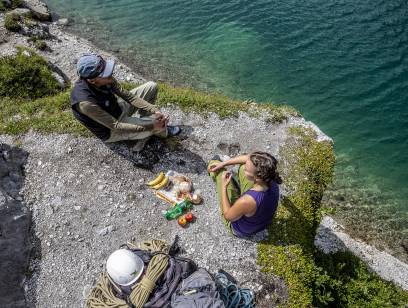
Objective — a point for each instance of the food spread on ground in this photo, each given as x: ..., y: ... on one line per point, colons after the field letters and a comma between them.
x: 176, y: 189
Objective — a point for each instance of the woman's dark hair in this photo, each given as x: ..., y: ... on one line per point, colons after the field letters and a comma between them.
x: 265, y: 165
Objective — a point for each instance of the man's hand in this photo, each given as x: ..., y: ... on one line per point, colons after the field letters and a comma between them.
x: 159, y: 116
x: 160, y: 120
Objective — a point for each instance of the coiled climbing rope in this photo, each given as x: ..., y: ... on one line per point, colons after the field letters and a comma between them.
x: 103, y: 296
x: 232, y: 295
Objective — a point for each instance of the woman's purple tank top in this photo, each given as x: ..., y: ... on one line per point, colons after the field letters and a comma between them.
x: 266, y: 204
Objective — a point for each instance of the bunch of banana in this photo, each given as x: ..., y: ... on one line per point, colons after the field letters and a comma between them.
x: 159, y: 182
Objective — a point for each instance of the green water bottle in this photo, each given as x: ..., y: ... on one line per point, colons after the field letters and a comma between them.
x: 177, y: 210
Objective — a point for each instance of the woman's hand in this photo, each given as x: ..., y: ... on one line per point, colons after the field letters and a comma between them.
x: 226, y: 178
x: 215, y: 167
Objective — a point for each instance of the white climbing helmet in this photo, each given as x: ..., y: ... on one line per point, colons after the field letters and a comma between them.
x: 124, y: 267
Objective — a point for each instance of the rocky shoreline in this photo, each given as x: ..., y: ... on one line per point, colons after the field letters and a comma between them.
x: 70, y: 211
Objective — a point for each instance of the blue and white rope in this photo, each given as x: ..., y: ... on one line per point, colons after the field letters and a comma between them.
x: 232, y: 295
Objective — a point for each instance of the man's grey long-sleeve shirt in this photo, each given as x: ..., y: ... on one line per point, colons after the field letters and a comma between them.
x: 96, y: 113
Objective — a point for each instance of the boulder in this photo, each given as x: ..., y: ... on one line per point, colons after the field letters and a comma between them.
x: 60, y: 80
x: 21, y: 12
x: 39, y: 9
x: 63, y: 22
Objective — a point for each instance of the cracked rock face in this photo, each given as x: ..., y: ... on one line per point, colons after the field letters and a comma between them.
x: 14, y: 227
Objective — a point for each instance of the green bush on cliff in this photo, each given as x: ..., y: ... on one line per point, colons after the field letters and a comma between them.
x: 26, y: 75
x: 313, y: 278
x: 12, y: 22
x: 343, y: 280
x: 288, y: 252
x: 38, y: 43
x: 14, y: 4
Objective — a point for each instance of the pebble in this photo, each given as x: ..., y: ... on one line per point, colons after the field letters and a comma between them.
x: 106, y: 230
x: 63, y: 22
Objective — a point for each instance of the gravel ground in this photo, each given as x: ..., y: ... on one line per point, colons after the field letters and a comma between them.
x: 87, y: 199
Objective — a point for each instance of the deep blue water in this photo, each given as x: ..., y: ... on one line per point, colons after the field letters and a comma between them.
x: 342, y: 64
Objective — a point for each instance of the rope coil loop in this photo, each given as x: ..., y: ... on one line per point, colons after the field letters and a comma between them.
x: 103, y: 295
x: 232, y: 295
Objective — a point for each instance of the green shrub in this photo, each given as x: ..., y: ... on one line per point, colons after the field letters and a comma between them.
x: 26, y: 75
x: 12, y: 22
x: 342, y: 280
x: 38, y: 43
x: 288, y: 252
x: 313, y: 278
x: 16, y: 3
x: 41, y: 45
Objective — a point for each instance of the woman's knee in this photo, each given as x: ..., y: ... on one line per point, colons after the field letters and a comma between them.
x: 241, y: 169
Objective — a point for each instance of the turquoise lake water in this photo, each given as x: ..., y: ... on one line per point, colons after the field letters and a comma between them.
x: 342, y: 64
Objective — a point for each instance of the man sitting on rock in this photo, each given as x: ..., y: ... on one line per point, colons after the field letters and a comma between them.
x: 133, y: 116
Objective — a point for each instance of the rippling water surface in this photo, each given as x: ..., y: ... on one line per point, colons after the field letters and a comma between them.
x: 343, y: 64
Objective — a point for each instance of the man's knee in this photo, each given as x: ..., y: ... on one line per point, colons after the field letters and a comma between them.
x: 152, y: 87
x: 149, y: 86
x: 241, y: 169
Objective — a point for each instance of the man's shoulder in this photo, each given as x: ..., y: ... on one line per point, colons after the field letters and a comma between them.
x: 80, y: 83
x: 80, y: 91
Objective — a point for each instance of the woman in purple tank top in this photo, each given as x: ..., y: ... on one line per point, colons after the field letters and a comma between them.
x: 249, y: 202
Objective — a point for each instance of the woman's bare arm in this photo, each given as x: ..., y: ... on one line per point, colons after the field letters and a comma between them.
x: 241, y: 159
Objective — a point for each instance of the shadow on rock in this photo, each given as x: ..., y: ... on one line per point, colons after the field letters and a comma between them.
x: 163, y: 154
x: 15, y: 221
